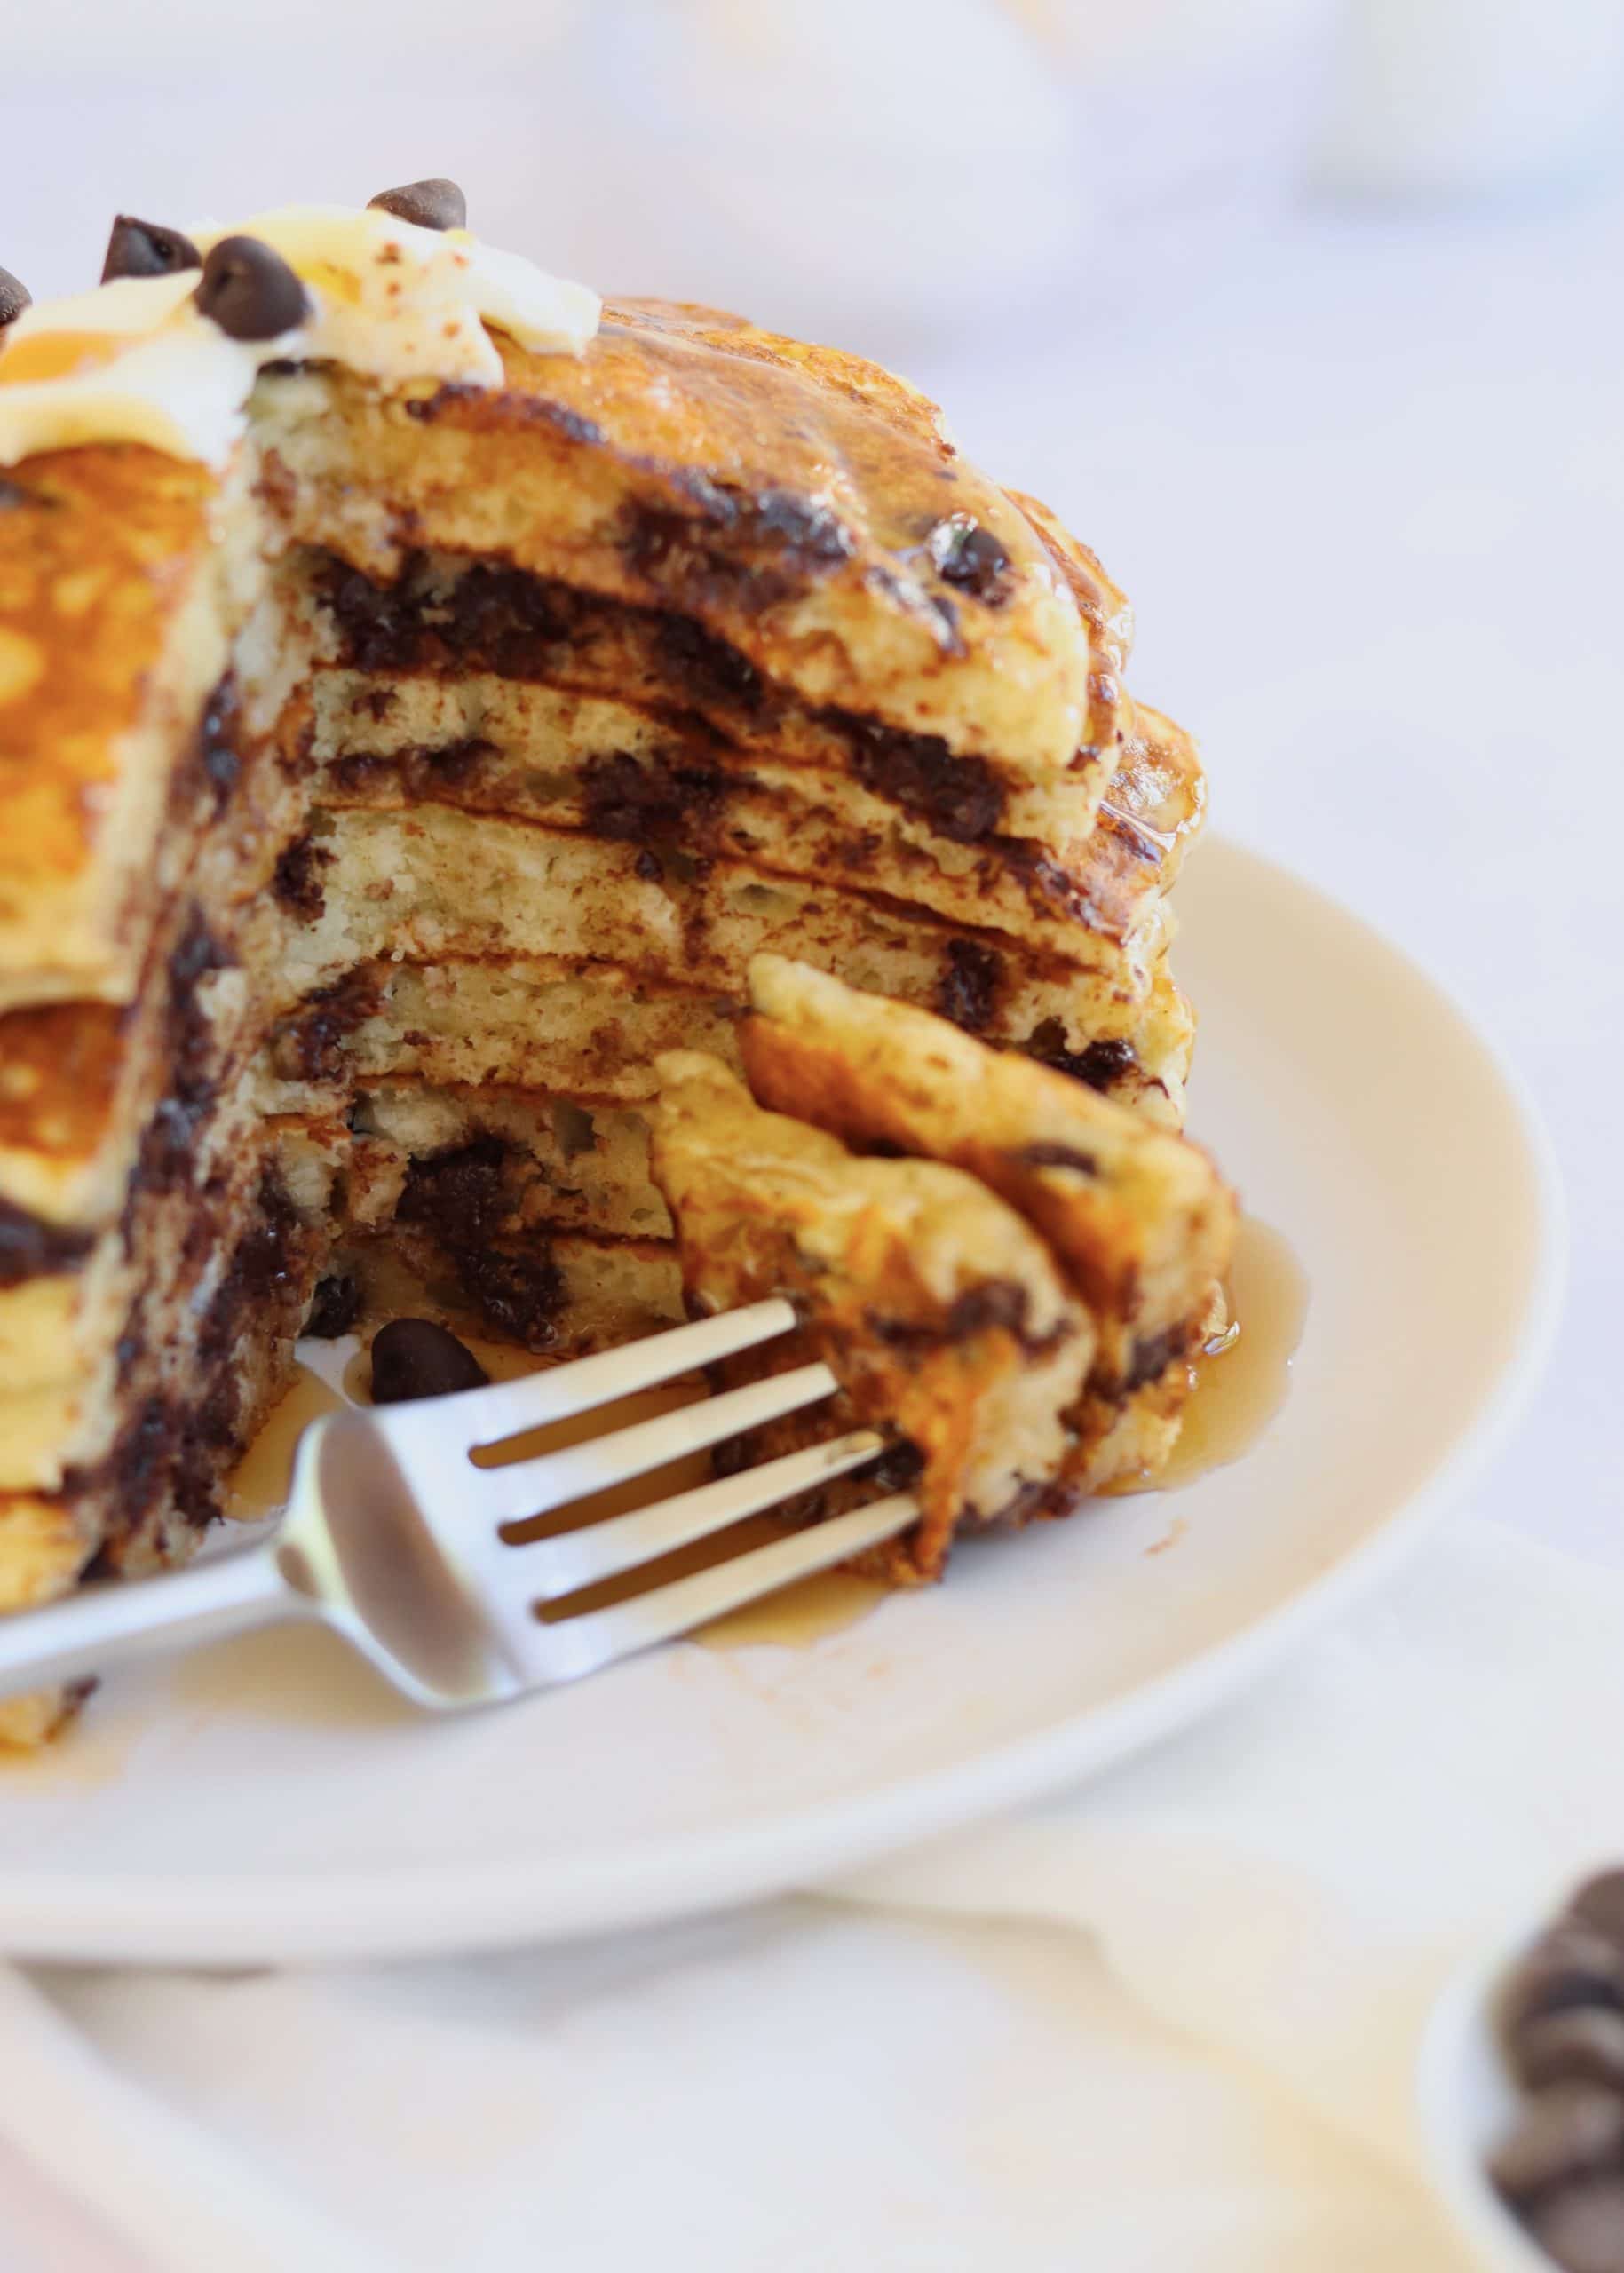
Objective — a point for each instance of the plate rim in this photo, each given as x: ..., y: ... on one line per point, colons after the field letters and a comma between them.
x: 417, y: 1910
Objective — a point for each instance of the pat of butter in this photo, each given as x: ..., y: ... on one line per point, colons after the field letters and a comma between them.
x: 179, y: 388
x: 135, y: 361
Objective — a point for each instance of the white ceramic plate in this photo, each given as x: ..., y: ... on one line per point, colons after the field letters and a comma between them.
x: 269, y: 1800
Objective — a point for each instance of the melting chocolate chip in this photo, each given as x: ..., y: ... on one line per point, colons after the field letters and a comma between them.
x: 998, y: 1302
x: 251, y: 291
x: 899, y: 1466
x: 147, y: 249
x: 995, y: 1306
x: 1151, y: 1358
x: 1560, y: 2135
x: 435, y: 203
x: 960, y: 797
x: 297, y: 879
x: 656, y: 801
x: 413, y: 1358
x: 14, y: 297
x: 968, y: 990
x: 967, y: 555
x: 32, y: 1248
x: 217, y: 738
x: 1097, y: 1066
x: 1057, y: 1156
x: 334, y: 1307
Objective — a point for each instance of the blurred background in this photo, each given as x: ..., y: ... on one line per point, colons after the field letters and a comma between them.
x: 1306, y: 313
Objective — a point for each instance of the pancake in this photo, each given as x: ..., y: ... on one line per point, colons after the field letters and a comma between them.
x: 941, y: 1313
x: 1139, y: 1219
x: 802, y: 508
x: 413, y: 721
x: 1135, y: 1223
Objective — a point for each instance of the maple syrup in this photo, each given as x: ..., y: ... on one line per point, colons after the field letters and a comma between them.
x: 57, y: 355
x: 1243, y: 1377
x: 795, y: 1617
x: 1242, y: 1380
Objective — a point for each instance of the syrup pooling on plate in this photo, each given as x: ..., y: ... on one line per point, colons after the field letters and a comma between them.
x: 793, y: 1617
x: 1243, y: 1375
x: 1242, y: 1379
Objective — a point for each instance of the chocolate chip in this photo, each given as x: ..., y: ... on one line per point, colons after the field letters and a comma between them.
x: 899, y: 1466
x: 1584, y: 2045
x: 436, y: 204
x: 334, y: 1308
x: 967, y: 555
x: 413, y: 1358
x: 14, y: 297
x: 251, y: 291
x: 1599, y: 1904
x: 1563, y: 2134
x: 1097, y: 1066
x: 147, y: 249
x: 967, y: 992
x: 1582, y: 2226
x: 1570, y: 1966
x: 1055, y: 1156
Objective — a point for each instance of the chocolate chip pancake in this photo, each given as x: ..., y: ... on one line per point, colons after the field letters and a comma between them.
x: 423, y: 690
x: 1135, y: 1224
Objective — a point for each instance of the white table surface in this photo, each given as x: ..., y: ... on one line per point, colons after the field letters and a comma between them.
x: 1364, y: 479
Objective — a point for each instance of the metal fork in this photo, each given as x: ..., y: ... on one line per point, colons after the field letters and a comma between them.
x: 394, y: 1535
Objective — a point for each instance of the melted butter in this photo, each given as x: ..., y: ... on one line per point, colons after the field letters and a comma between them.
x: 793, y: 1617
x: 136, y: 359
x: 57, y: 355
x: 1243, y: 1377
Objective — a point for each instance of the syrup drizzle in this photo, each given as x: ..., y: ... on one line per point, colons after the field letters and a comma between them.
x: 793, y: 1617
x: 1242, y: 1380
x: 1243, y: 1377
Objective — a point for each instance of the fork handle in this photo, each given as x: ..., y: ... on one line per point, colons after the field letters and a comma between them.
x: 112, y: 1620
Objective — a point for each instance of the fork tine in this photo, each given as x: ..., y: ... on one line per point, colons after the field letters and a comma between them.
x: 545, y: 1569
x: 560, y: 1392
x: 531, y: 1487
x: 575, y: 1646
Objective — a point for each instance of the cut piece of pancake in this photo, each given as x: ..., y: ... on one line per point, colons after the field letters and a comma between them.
x: 1139, y: 1226
x: 941, y: 1312
x: 1140, y: 1219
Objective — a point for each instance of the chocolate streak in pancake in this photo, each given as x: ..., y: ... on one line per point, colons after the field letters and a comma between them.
x: 31, y: 1248
x: 467, y: 1202
x: 498, y: 619
x: 495, y: 618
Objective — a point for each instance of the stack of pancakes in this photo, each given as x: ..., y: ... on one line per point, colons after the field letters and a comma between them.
x: 376, y: 811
